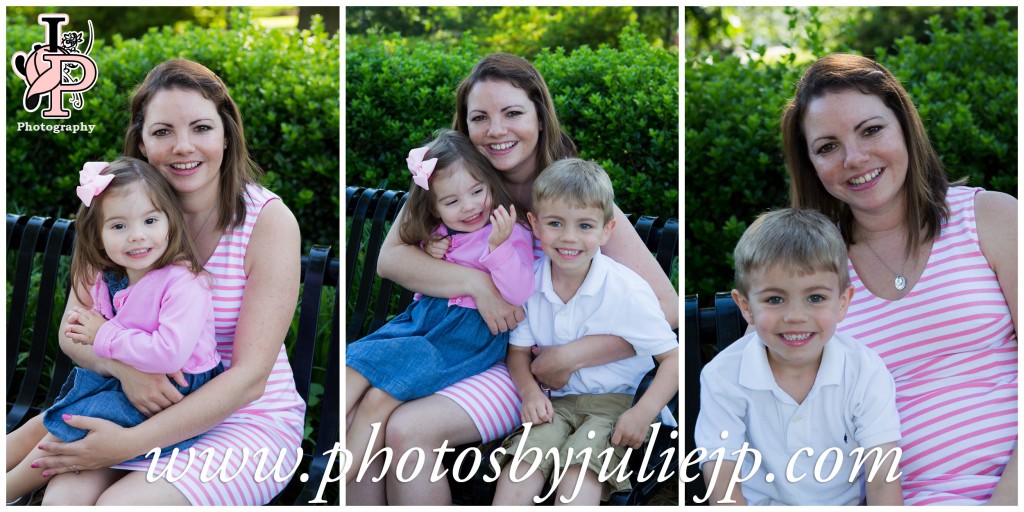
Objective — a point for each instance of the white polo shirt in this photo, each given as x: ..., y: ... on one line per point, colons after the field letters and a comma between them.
x: 612, y: 300
x: 851, y: 404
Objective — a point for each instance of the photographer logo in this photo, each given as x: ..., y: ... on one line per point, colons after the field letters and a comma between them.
x: 56, y: 68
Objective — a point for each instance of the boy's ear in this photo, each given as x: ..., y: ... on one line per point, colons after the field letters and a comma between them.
x: 844, y: 301
x: 744, y: 305
x: 533, y: 221
x: 606, y: 232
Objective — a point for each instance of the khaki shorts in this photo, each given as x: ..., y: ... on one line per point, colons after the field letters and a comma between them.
x: 580, y: 422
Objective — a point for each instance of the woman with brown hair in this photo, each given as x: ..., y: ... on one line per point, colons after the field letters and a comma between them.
x: 184, y: 122
x: 934, y: 265
x: 506, y: 109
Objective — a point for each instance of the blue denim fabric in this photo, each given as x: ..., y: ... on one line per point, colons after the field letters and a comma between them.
x: 88, y: 394
x: 426, y: 348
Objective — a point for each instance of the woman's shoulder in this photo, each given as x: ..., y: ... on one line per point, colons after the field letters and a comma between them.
x: 257, y: 196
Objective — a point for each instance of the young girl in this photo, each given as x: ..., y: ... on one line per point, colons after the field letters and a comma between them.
x: 152, y: 307
x: 437, y: 342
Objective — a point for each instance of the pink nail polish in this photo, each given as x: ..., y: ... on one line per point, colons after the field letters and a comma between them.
x: 46, y: 474
x: 66, y: 417
x: 34, y: 465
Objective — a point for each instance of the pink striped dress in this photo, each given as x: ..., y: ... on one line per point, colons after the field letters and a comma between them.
x: 952, y: 350
x: 274, y: 422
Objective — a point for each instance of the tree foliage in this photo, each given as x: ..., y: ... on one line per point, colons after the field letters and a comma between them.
x: 963, y: 80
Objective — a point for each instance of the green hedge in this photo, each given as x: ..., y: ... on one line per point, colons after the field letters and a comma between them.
x: 619, y: 105
x: 963, y: 81
x: 285, y: 83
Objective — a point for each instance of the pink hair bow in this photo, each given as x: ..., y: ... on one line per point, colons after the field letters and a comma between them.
x: 421, y: 169
x: 92, y: 182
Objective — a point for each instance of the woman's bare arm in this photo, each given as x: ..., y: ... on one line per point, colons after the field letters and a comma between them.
x: 416, y: 270
x: 997, y: 234
x: 271, y: 293
x: 625, y: 247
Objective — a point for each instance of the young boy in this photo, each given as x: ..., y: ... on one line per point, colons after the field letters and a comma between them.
x: 795, y: 389
x: 580, y: 292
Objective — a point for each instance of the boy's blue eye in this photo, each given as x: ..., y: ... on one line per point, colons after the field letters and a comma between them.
x: 555, y: 224
x: 816, y: 298
x: 774, y: 300
x: 585, y: 226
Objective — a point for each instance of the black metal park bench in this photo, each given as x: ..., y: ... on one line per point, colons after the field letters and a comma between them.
x: 709, y: 330
x: 38, y: 258
x: 372, y: 301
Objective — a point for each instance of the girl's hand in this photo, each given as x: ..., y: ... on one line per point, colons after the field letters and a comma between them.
x: 103, y: 446
x: 502, y: 222
x: 150, y: 393
x: 537, y: 408
x: 83, y: 325
x: 438, y: 247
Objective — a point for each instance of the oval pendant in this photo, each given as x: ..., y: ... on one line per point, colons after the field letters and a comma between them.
x: 901, y: 283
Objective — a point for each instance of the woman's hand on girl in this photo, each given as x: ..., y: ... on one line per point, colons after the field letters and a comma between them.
x: 438, y: 247
x: 105, y: 445
x: 502, y: 222
x: 150, y: 393
x: 83, y: 325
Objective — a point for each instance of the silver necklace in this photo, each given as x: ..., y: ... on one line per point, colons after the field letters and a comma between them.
x: 900, y: 282
x: 195, y: 237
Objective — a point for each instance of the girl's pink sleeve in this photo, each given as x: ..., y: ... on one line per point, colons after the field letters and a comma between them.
x: 511, y: 266
x: 163, y: 346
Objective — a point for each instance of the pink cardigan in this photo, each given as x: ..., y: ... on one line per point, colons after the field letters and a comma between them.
x: 164, y: 322
x: 510, y: 265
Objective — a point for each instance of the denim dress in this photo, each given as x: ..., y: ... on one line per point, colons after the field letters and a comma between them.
x: 86, y: 393
x: 430, y: 346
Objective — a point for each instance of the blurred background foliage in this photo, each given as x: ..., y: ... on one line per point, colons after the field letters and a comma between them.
x: 741, y: 65
x: 523, y: 31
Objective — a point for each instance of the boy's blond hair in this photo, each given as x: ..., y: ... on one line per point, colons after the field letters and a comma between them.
x: 803, y: 240
x: 580, y: 183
